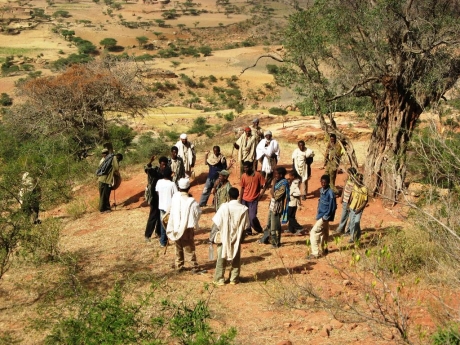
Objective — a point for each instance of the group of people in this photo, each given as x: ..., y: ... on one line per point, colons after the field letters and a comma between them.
x: 174, y: 213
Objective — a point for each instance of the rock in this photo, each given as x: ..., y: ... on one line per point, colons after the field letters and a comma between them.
x: 284, y: 342
x: 336, y: 324
x: 287, y: 324
x: 352, y: 326
x: 324, y: 332
x: 346, y: 282
x: 308, y: 329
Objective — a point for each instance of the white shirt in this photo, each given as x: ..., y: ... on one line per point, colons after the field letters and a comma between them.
x: 185, y: 214
x: 166, y: 190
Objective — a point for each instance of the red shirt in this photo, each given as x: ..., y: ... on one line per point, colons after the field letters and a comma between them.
x: 251, y: 185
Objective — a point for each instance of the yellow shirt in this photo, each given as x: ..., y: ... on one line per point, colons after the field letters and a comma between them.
x: 359, y: 197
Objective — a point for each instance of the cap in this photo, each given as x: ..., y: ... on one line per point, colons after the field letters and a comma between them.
x: 247, y: 129
x: 184, y: 183
x: 224, y: 173
x: 255, y: 120
x: 267, y: 133
x: 183, y: 136
x: 104, y: 151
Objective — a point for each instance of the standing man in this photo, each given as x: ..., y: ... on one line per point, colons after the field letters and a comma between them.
x: 165, y: 189
x: 231, y: 219
x: 183, y: 220
x: 347, y: 190
x: 252, y: 187
x: 357, y: 204
x: 294, y: 202
x: 107, y: 168
x: 221, y: 196
x: 326, y: 211
x: 246, y: 146
x: 332, y: 159
x: 216, y: 162
x: 257, y: 131
x: 176, y: 164
x: 186, y: 150
x: 154, y: 174
x: 301, y: 157
x: 268, y: 151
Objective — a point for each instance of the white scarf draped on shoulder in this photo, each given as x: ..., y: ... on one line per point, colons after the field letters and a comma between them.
x: 268, y: 164
x: 231, y: 219
x: 184, y: 214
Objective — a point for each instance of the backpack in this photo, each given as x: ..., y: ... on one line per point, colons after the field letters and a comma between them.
x: 106, y: 165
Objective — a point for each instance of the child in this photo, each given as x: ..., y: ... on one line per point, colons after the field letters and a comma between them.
x: 294, y: 202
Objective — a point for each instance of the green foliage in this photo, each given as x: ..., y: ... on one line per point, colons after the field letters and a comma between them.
x: 188, y: 81
x: 272, y: 69
x: 447, y: 336
x: 108, y: 43
x: 212, y: 79
x: 62, y: 14
x: 5, y: 100
x: 121, y: 136
x: 71, y: 60
x: 144, y: 57
x: 205, y: 50
x: 277, y: 111
x: 200, y: 126
x: 84, y: 46
x: 142, y: 40
x: 229, y: 116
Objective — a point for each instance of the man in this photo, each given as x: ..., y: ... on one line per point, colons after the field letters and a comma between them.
x: 165, y: 189
x: 268, y: 152
x: 176, y: 164
x: 183, y: 219
x: 220, y: 191
x: 345, y: 200
x: 326, y: 212
x: 294, y: 202
x: 154, y: 174
x: 29, y: 197
x: 107, y: 168
x: 257, y: 131
x: 278, y: 208
x: 231, y: 219
x: 252, y: 187
x: 302, y: 158
x: 216, y: 162
x: 246, y: 146
x: 332, y: 160
x: 357, y: 204
x: 186, y: 150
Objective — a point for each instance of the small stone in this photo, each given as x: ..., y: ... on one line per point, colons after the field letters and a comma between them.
x: 346, y: 283
x: 328, y: 328
x: 324, y: 332
x: 287, y: 324
x: 308, y: 329
x: 336, y: 324
x: 352, y: 326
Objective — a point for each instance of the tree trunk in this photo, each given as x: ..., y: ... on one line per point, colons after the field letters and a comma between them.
x: 385, y: 166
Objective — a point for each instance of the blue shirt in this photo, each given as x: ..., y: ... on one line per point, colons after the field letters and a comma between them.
x: 215, y: 169
x: 326, y: 204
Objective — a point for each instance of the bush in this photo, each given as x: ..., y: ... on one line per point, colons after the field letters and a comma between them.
x: 121, y: 136
x: 277, y: 111
x: 199, y: 126
x: 5, y: 100
x: 272, y: 69
x: 447, y: 336
x: 229, y: 116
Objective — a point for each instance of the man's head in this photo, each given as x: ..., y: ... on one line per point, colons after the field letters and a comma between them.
x: 247, y: 167
x: 291, y: 176
x: 163, y: 162
x: 333, y: 138
x: 255, y: 122
x: 279, y: 173
x: 268, y: 135
x: 183, y: 138
x: 360, y: 178
x: 167, y: 173
x: 325, y: 180
x: 233, y: 193
x: 351, y: 171
x: 216, y: 150
x: 247, y: 130
x: 301, y: 145
x: 184, y: 184
x: 104, y: 152
x: 223, y: 176
x: 174, y: 151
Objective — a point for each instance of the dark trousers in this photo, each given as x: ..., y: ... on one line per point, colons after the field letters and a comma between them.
x: 153, y: 223
x: 293, y: 224
x: 252, y: 210
x: 268, y: 178
x: 104, y: 196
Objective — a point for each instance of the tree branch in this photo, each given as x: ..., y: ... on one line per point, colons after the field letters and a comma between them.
x: 353, y: 89
x: 260, y: 57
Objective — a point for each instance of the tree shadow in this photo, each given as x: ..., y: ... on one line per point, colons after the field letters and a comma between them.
x: 134, y: 199
x: 277, y: 272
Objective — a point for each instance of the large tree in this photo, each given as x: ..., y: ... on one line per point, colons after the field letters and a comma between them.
x: 76, y: 102
x: 402, y: 55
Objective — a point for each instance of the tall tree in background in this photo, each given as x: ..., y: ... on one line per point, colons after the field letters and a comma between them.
x: 76, y: 103
x: 403, y: 55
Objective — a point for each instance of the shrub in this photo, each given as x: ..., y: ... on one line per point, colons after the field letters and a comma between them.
x: 277, y: 111
x: 5, y: 100
x: 272, y: 69
x: 447, y: 336
x: 199, y: 126
x: 121, y: 136
x: 229, y: 116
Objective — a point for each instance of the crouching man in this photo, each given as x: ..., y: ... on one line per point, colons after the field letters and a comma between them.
x: 231, y: 219
x: 183, y: 220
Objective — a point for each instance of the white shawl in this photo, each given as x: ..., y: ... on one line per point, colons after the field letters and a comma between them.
x: 300, y: 164
x: 266, y: 152
x: 187, y: 153
x: 232, y: 219
x: 184, y: 214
